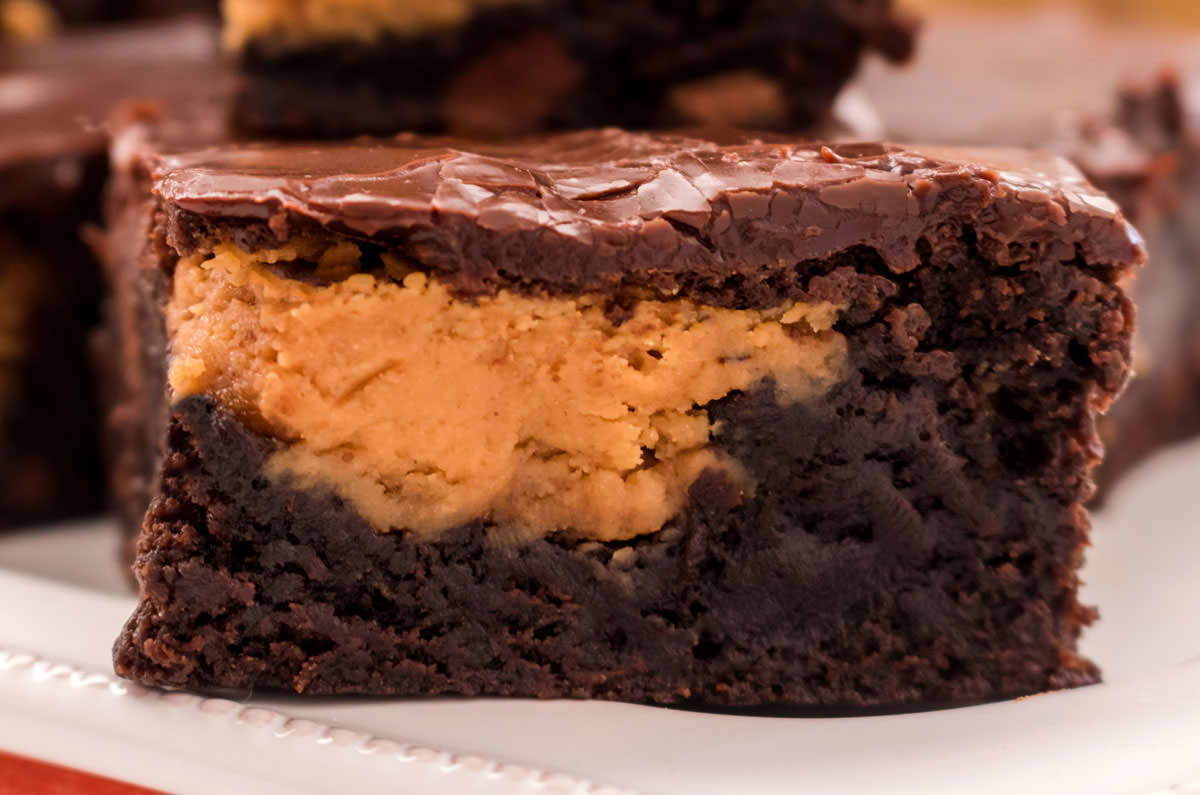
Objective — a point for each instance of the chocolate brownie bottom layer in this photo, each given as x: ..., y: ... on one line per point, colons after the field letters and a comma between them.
x: 913, y: 536
x: 524, y: 67
x: 734, y: 605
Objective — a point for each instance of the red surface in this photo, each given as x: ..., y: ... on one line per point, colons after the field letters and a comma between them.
x: 22, y: 776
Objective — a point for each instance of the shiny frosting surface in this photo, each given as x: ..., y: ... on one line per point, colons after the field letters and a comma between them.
x: 611, y: 189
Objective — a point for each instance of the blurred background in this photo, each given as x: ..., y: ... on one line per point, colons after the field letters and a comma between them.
x: 1010, y: 71
x: 1163, y: 10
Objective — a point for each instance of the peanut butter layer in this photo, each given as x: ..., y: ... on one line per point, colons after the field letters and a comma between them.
x: 425, y: 411
x: 27, y: 20
x: 298, y: 21
x: 738, y: 98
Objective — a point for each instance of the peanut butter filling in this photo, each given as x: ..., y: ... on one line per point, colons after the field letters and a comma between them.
x: 299, y: 21
x: 426, y: 411
x: 27, y: 20
x: 732, y: 99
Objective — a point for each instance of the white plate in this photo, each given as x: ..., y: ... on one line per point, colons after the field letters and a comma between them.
x: 62, y: 601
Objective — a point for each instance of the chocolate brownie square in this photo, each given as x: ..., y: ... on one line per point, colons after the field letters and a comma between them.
x: 620, y: 416
x: 506, y: 67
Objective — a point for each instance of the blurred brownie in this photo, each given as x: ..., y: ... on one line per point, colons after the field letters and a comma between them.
x: 505, y: 67
x: 1146, y: 155
x: 49, y: 298
x: 34, y: 20
x: 620, y: 416
x: 53, y: 161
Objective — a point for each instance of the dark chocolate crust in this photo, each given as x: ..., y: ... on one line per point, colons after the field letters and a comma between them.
x: 565, y: 64
x: 1147, y: 156
x: 913, y: 537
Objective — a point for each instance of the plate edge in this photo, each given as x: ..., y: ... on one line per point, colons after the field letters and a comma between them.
x: 42, y: 671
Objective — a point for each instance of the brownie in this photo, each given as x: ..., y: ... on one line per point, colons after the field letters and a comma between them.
x: 1146, y: 154
x: 617, y: 416
x: 53, y: 162
x: 507, y: 67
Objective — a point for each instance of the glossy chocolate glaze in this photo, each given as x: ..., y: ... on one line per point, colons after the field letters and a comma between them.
x: 597, y: 210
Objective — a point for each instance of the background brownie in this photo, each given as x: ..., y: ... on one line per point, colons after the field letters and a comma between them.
x: 1147, y: 156
x: 33, y: 20
x: 897, y: 521
x: 502, y: 67
x: 53, y: 162
x: 49, y: 298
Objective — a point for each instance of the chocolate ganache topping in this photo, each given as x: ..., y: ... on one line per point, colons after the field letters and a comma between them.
x: 610, y: 207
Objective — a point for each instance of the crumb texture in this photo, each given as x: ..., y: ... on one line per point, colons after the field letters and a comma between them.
x: 426, y: 412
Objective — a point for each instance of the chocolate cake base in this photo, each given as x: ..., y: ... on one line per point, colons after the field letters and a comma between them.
x: 272, y: 587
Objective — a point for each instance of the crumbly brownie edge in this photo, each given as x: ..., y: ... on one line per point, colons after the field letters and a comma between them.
x: 129, y: 351
x: 1155, y: 177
